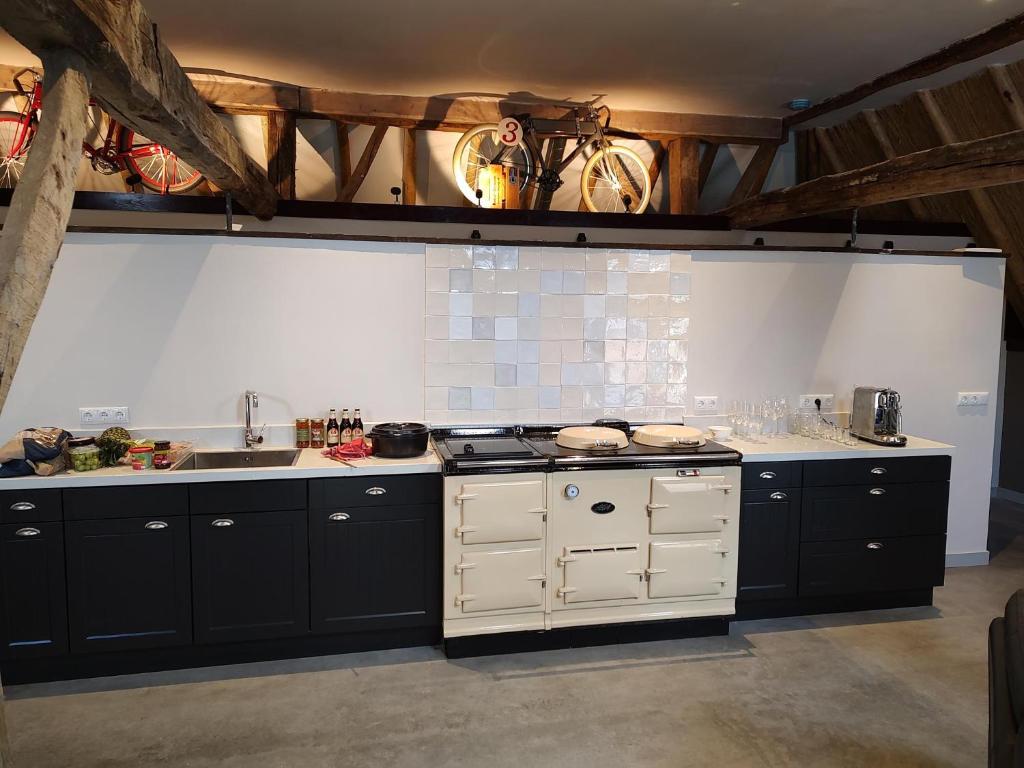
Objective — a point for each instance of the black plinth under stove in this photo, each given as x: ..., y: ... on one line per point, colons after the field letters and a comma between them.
x: 482, y: 450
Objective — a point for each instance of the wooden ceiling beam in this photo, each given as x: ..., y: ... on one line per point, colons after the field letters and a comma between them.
x: 985, y: 162
x: 409, y: 166
x: 344, y: 159
x: 280, y: 143
x: 137, y: 80
x: 756, y: 174
x: 988, y: 41
x: 889, y: 152
x: 683, y: 175
x: 362, y: 168
x: 707, y: 162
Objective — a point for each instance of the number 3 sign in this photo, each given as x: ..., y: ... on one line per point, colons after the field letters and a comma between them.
x: 510, y: 132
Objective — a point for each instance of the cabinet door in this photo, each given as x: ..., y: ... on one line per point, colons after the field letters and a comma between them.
x: 33, y: 606
x: 871, y: 565
x: 769, y: 548
x: 614, y: 572
x: 502, y: 511
x: 250, y: 576
x: 374, y: 568
x: 501, y: 579
x: 688, y: 504
x: 128, y: 583
x: 859, y: 511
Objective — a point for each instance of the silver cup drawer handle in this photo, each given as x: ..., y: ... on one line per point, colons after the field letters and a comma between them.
x: 27, y: 532
x: 22, y: 506
x: 875, y: 545
x: 376, y: 491
x: 779, y: 496
x: 767, y: 475
x: 877, y: 491
x: 878, y: 471
x: 155, y: 525
x: 222, y: 522
x: 338, y: 517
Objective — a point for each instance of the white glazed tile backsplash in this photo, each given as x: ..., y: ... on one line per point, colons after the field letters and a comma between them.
x: 555, y: 334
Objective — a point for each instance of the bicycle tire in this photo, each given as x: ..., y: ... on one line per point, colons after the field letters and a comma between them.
x: 639, y: 168
x: 149, y: 165
x: 12, y: 159
x: 527, y: 166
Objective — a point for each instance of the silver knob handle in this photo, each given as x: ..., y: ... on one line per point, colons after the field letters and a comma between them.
x: 27, y: 532
x: 376, y: 491
x: 338, y: 517
x: 155, y: 525
x: 222, y: 522
x: 875, y: 545
x: 22, y: 506
x: 767, y: 475
x: 779, y: 496
x: 878, y: 471
x: 877, y: 491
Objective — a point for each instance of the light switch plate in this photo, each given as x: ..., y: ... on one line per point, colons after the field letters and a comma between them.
x: 105, y: 415
x: 968, y: 399
x: 705, y: 404
x: 828, y: 402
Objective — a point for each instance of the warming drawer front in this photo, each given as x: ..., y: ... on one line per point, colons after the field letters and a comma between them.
x: 601, y: 573
x: 501, y: 580
x: 689, y: 504
x: 499, y: 512
x: 687, y: 569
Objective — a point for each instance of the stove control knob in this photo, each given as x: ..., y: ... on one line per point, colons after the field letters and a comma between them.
x: 571, y: 491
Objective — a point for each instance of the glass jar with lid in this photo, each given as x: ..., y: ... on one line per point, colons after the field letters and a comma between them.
x: 84, y: 454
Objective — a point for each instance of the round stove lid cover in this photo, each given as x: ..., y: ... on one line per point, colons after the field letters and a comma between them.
x: 668, y: 436
x: 590, y: 438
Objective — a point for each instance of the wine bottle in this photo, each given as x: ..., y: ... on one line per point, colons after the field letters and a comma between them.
x: 346, y: 427
x: 357, y: 426
x: 333, y: 432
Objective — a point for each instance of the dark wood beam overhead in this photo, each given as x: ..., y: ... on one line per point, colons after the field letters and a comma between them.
x: 889, y: 152
x: 683, y: 175
x: 343, y: 172
x: 756, y: 174
x: 988, y: 41
x: 138, y: 81
x: 707, y: 162
x: 280, y: 140
x: 409, y: 166
x: 985, y: 162
x: 363, y: 166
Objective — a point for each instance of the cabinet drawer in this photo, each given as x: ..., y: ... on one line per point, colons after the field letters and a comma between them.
x: 857, y: 511
x: 125, y: 501
x: 771, y: 474
x: 909, y: 469
x: 30, y: 506
x: 871, y: 565
x: 374, y: 491
x: 247, y: 496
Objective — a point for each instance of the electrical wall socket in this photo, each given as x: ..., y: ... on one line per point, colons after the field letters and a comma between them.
x: 705, y: 404
x: 107, y: 414
x: 828, y: 402
x: 972, y: 398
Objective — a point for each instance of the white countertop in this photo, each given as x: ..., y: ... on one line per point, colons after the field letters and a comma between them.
x: 796, y: 448
x: 309, y: 464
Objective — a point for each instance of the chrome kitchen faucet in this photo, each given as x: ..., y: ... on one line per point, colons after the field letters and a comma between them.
x: 251, y: 401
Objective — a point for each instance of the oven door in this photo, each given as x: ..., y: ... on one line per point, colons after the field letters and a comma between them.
x: 613, y: 572
x: 688, y: 504
x: 501, y: 511
x: 687, y: 569
x: 501, y: 579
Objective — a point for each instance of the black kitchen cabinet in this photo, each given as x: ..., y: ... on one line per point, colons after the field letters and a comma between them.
x: 769, y: 548
x: 250, y: 575
x: 128, y: 583
x: 374, y: 567
x: 855, y: 511
x: 33, y: 606
x: 871, y: 565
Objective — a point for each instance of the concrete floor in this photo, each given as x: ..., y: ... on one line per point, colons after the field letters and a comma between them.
x: 904, y: 687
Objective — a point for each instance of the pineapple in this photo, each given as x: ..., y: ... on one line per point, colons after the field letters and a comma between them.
x: 113, y: 444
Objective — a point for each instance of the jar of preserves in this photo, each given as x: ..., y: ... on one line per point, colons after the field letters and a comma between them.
x: 84, y: 454
x: 141, y: 456
x: 162, y: 454
x: 302, y: 433
x: 316, y: 433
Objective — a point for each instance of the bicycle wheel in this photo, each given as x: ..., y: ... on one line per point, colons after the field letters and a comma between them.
x: 15, y: 141
x: 475, y: 150
x: 615, y: 180
x: 157, y: 167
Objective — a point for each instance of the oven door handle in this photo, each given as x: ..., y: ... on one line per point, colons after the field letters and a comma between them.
x: 466, y: 529
x: 460, y: 599
x: 655, y: 571
x: 721, y: 551
x: 652, y: 507
x: 563, y: 559
x: 538, y: 511
x: 460, y: 567
x: 563, y: 591
x: 726, y: 487
x: 464, y: 497
x: 723, y: 518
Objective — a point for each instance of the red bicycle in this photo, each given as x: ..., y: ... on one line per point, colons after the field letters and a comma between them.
x: 150, y: 164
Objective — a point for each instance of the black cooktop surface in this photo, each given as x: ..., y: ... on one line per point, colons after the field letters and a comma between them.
x: 492, y: 447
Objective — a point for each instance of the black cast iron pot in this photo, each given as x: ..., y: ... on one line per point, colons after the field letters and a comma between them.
x: 399, y: 440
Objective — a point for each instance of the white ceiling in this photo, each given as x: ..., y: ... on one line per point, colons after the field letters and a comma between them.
x: 714, y: 56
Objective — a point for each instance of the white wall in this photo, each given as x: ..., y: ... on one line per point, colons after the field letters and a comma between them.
x: 177, y: 327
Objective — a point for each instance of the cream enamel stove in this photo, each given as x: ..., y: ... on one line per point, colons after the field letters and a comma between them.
x: 546, y: 529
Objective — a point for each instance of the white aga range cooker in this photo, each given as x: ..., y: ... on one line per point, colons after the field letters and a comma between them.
x: 548, y: 528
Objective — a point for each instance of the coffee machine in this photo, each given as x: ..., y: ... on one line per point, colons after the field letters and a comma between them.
x: 876, y: 416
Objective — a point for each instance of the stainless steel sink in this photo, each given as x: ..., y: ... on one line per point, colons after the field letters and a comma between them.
x: 270, y: 457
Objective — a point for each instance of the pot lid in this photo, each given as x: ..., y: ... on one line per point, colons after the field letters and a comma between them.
x: 669, y: 436
x: 592, y: 438
x: 400, y: 429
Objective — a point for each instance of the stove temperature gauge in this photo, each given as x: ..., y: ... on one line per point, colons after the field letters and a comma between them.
x: 572, y: 491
